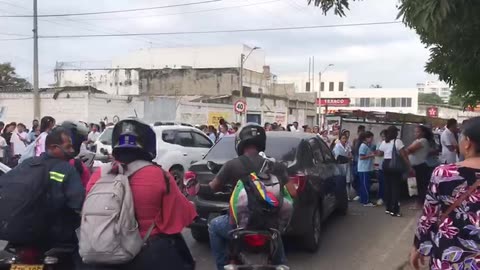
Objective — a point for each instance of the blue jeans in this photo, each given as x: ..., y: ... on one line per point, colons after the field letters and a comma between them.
x: 355, y: 180
x: 364, y: 186
x: 219, y: 229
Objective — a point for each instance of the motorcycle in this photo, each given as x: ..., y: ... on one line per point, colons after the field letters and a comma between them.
x: 31, y: 258
x: 253, y: 250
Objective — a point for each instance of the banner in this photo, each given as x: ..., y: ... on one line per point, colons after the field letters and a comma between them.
x: 214, y: 118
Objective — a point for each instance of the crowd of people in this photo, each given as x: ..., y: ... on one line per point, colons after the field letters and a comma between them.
x: 446, y: 174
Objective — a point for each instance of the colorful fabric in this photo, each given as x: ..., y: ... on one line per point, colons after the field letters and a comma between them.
x: 455, y: 243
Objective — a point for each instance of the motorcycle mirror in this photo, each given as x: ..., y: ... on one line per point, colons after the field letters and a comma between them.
x: 213, y: 167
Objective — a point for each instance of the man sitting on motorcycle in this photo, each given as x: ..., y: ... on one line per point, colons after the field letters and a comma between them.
x: 250, y: 141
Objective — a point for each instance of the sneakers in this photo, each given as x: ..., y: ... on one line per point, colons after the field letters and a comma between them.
x: 396, y: 214
x: 357, y: 198
x: 388, y: 212
x: 369, y: 205
x: 380, y: 202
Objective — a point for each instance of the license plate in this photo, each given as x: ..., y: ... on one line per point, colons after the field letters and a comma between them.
x: 26, y: 267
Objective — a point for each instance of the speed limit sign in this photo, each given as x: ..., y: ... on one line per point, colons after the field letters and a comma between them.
x: 240, y: 106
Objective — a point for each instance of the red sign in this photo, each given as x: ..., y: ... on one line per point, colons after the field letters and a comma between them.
x: 240, y: 106
x: 432, y: 112
x: 335, y: 102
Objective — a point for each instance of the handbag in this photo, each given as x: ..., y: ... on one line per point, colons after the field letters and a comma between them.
x: 396, y: 164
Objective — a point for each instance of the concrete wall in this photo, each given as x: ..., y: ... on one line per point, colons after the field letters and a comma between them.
x: 68, y: 106
x: 448, y: 112
x: 110, y: 81
x: 195, y: 57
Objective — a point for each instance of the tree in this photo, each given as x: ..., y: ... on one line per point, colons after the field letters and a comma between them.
x: 430, y: 98
x: 10, y: 79
x: 455, y: 99
x: 449, y: 29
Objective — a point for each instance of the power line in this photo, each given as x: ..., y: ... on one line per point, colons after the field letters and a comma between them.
x: 11, y: 39
x: 223, y: 31
x: 110, y: 11
x: 181, y: 13
x: 15, y: 35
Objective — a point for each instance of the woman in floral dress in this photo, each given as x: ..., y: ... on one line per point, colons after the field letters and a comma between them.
x: 455, y: 242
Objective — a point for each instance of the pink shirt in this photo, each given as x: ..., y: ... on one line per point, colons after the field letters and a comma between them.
x: 40, y: 144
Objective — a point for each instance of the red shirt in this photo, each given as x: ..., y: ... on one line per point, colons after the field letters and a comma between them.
x: 172, y: 212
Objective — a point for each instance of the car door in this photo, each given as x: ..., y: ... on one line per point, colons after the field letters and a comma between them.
x: 326, y: 165
x: 189, y: 153
x: 202, y: 145
x: 332, y: 175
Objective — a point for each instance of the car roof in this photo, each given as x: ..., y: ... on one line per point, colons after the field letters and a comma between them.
x: 173, y: 127
x: 285, y: 134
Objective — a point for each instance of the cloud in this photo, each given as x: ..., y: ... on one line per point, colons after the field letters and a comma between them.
x: 391, y: 55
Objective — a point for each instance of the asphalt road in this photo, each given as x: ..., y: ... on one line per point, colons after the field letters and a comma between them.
x: 365, y: 239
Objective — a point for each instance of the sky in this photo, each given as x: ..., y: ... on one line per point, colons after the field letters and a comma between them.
x: 389, y: 55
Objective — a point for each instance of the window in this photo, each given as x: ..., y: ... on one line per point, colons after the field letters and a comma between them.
x: 322, y: 86
x: 404, y: 102
x: 394, y: 102
x: 378, y: 102
x: 371, y: 102
x: 168, y: 136
x: 389, y: 102
x: 340, y: 86
x: 327, y: 153
x: 421, y: 90
x: 317, y: 152
x: 201, y: 141
x: 409, y: 102
x: 383, y: 102
x: 184, y: 138
x: 331, y: 85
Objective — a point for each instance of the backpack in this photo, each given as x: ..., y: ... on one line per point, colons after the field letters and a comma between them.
x: 23, y: 201
x: 108, y: 232
x: 260, y: 201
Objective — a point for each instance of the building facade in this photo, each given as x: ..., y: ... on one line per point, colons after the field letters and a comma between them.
x: 435, y: 87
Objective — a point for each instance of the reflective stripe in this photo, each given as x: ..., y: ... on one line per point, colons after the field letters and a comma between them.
x: 57, y: 176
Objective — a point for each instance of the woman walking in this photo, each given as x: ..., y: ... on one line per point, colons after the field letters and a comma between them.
x: 393, y: 177
x: 449, y: 228
x: 418, y: 152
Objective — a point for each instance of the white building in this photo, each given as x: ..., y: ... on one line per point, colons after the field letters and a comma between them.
x: 194, y: 57
x: 435, y: 87
x: 334, y: 82
x: 400, y: 100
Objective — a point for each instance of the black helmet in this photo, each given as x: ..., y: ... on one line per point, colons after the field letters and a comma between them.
x: 77, y: 131
x: 250, y: 134
x: 134, y: 134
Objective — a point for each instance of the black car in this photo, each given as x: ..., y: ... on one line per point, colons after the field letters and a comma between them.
x: 319, y: 178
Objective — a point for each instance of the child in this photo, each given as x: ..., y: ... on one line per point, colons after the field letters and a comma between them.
x: 365, y: 167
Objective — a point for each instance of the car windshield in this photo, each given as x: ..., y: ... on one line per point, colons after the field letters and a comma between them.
x: 106, y: 137
x: 280, y: 148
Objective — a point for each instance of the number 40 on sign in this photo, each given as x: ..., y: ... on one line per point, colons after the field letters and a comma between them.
x: 240, y: 106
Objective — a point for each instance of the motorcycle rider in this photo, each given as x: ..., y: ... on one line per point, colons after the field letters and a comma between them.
x: 83, y: 160
x: 250, y: 140
x: 157, y: 200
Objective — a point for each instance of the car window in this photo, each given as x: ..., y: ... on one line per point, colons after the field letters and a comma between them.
x: 327, y: 153
x: 184, y: 138
x: 106, y: 136
x: 280, y: 148
x: 316, y: 150
x: 168, y: 136
x: 201, y: 140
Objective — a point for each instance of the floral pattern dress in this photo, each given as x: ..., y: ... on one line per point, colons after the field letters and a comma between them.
x: 455, y: 243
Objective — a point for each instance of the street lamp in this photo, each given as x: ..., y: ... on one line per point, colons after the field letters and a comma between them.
x: 243, y: 59
x: 320, y: 120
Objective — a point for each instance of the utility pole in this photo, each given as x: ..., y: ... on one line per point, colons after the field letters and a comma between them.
x: 36, y: 94
x: 242, y: 61
x: 309, y: 74
x: 313, y: 74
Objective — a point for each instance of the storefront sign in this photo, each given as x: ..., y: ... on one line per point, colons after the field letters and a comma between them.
x: 432, y: 112
x: 214, y: 118
x: 334, y: 102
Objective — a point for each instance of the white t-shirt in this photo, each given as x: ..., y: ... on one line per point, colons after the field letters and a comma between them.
x: 447, y: 139
x: 40, y: 144
x: 3, y: 143
x: 93, y: 136
x: 387, y: 148
x: 19, y: 145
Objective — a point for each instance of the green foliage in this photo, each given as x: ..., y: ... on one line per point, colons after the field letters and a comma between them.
x: 430, y: 98
x: 449, y: 28
x: 10, y: 79
x: 456, y: 100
